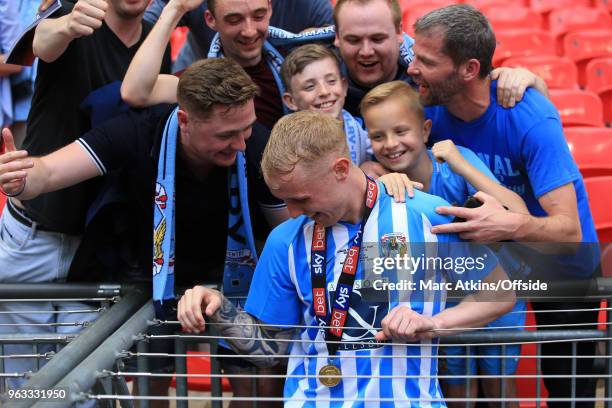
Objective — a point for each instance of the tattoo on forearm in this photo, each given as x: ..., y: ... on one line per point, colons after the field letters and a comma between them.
x: 246, y: 335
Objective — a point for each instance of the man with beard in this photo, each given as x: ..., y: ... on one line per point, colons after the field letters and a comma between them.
x: 525, y: 149
x: 83, y: 51
x: 375, y: 50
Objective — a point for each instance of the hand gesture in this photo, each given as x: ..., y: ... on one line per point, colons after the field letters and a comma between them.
x: 193, y: 303
x: 86, y: 16
x: 446, y: 151
x: 404, y: 324
x: 397, y: 184
x: 511, y: 84
x: 490, y: 222
x: 13, y: 165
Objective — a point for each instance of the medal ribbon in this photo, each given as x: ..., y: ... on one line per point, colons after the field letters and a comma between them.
x: 344, y: 287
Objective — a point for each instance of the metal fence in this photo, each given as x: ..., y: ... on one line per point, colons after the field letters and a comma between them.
x: 92, y: 365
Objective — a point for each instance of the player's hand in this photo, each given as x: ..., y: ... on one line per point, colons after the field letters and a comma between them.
x: 490, y: 222
x: 404, y: 324
x: 397, y: 184
x: 86, y: 17
x: 446, y: 151
x: 511, y: 84
x: 13, y: 165
x: 44, y: 4
x: 373, y: 169
x: 194, y: 304
x: 185, y: 6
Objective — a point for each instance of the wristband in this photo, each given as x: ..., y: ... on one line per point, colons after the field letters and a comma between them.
x: 13, y: 194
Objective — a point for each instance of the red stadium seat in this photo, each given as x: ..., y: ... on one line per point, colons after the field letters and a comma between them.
x: 522, y: 43
x: 599, y: 190
x: 561, y: 22
x: 557, y: 72
x: 598, y: 74
x: 546, y: 6
x: 512, y: 17
x: 414, y: 10
x: 582, y: 46
x: 177, y: 39
x: 199, y: 363
x: 483, y: 5
x: 578, y: 108
x: 591, y: 148
x: 606, y: 4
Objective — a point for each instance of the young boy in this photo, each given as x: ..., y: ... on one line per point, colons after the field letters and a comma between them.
x: 312, y: 79
x: 398, y: 132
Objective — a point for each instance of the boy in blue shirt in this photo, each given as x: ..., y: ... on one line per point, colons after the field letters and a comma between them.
x: 399, y: 131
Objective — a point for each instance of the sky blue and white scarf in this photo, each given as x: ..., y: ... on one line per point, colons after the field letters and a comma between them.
x: 241, y: 256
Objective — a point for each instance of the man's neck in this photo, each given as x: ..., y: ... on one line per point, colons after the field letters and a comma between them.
x: 357, y: 187
x: 473, y: 102
x: 199, y: 168
x: 128, y: 30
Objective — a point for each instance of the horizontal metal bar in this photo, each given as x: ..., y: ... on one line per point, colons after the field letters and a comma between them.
x: 322, y: 399
x: 416, y: 376
x: 61, y: 290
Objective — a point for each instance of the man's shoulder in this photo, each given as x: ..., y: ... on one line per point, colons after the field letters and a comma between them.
x: 531, y: 108
x: 422, y: 204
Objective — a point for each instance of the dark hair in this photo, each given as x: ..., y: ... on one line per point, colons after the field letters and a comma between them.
x: 214, y: 81
x: 301, y: 57
x: 467, y: 34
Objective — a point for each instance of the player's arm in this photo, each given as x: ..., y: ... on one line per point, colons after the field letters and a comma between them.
x: 446, y: 151
x: 143, y: 85
x: 27, y: 177
x: 513, y: 82
x: 243, y: 332
x: 52, y: 36
x: 475, y: 310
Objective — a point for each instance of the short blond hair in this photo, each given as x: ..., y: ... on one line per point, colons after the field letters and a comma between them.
x: 301, y: 57
x: 302, y: 137
x: 393, y: 90
x: 396, y: 11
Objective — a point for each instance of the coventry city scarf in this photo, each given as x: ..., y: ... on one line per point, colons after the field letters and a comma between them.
x: 241, y: 255
x: 359, y: 145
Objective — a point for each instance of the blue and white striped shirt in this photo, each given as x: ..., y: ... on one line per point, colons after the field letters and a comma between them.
x: 281, y: 293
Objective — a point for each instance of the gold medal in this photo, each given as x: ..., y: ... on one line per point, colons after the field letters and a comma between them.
x: 330, y: 375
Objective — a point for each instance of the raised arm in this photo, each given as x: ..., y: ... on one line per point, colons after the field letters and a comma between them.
x: 446, y: 151
x: 143, y: 85
x: 27, y: 177
x: 52, y: 36
x: 243, y: 332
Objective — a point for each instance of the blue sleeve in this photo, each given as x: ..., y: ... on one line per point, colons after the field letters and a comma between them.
x: 9, y: 24
x: 475, y: 161
x: 547, y: 158
x: 273, y: 297
x: 154, y: 10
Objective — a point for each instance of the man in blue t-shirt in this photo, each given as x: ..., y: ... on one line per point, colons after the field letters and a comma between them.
x: 315, y: 269
x: 525, y: 149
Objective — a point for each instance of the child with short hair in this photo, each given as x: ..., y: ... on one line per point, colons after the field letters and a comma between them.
x: 313, y: 81
x: 398, y: 131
